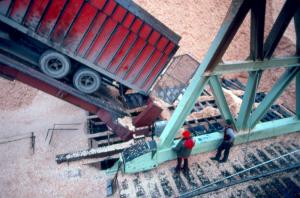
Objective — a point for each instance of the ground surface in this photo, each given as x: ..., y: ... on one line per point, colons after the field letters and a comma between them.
x: 23, y: 174
x: 23, y: 110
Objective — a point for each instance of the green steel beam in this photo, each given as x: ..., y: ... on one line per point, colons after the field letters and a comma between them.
x: 298, y: 95
x: 274, y: 93
x: 244, y: 66
x: 183, y: 109
x: 248, y: 100
x: 220, y: 98
x: 281, y: 23
x: 258, y: 10
x: 297, y: 29
x: 210, y: 142
x: 234, y: 18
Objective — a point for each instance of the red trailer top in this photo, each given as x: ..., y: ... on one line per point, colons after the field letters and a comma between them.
x: 115, y: 37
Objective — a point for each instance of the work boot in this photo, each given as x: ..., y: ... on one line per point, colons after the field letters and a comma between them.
x: 223, y: 161
x: 214, y: 158
x: 185, y: 169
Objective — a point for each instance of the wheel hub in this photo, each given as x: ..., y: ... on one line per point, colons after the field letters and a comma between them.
x: 87, y: 80
x: 55, y: 65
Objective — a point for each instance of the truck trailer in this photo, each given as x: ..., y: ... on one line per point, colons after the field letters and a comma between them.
x: 89, y: 43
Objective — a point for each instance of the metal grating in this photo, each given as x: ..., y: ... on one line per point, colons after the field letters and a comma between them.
x: 176, y: 78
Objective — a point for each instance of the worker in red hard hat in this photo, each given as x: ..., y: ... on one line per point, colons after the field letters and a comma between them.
x: 183, y: 150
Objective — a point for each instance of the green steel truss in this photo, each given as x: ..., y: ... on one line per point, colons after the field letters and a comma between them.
x: 248, y: 100
x: 220, y: 98
x: 260, y: 59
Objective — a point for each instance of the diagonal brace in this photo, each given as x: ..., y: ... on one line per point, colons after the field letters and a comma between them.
x: 257, y: 29
x: 298, y: 95
x: 220, y: 98
x: 280, y: 25
x: 248, y: 100
x: 275, y: 92
x: 183, y: 109
x: 297, y: 28
x: 234, y: 18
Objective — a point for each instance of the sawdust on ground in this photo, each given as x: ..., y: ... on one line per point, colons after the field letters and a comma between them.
x: 14, y: 95
x: 204, y: 113
x: 127, y: 123
x: 234, y: 102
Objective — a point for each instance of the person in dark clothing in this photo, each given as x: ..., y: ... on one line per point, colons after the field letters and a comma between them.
x: 183, y: 150
x: 226, y: 143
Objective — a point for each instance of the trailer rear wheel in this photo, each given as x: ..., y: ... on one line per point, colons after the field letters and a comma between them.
x: 54, y: 64
x: 87, y: 80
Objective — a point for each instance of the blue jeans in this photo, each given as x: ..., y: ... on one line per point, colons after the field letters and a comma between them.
x: 224, y: 146
x: 179, y: 162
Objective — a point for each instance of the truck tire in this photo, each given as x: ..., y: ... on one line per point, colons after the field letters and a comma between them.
x: 54, y: 64
x: 87, y: 80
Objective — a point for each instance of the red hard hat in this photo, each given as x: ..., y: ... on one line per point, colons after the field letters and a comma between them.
x: 186, y: 134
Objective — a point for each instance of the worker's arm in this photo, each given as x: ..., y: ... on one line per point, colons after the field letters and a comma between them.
x: 178, y: 146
